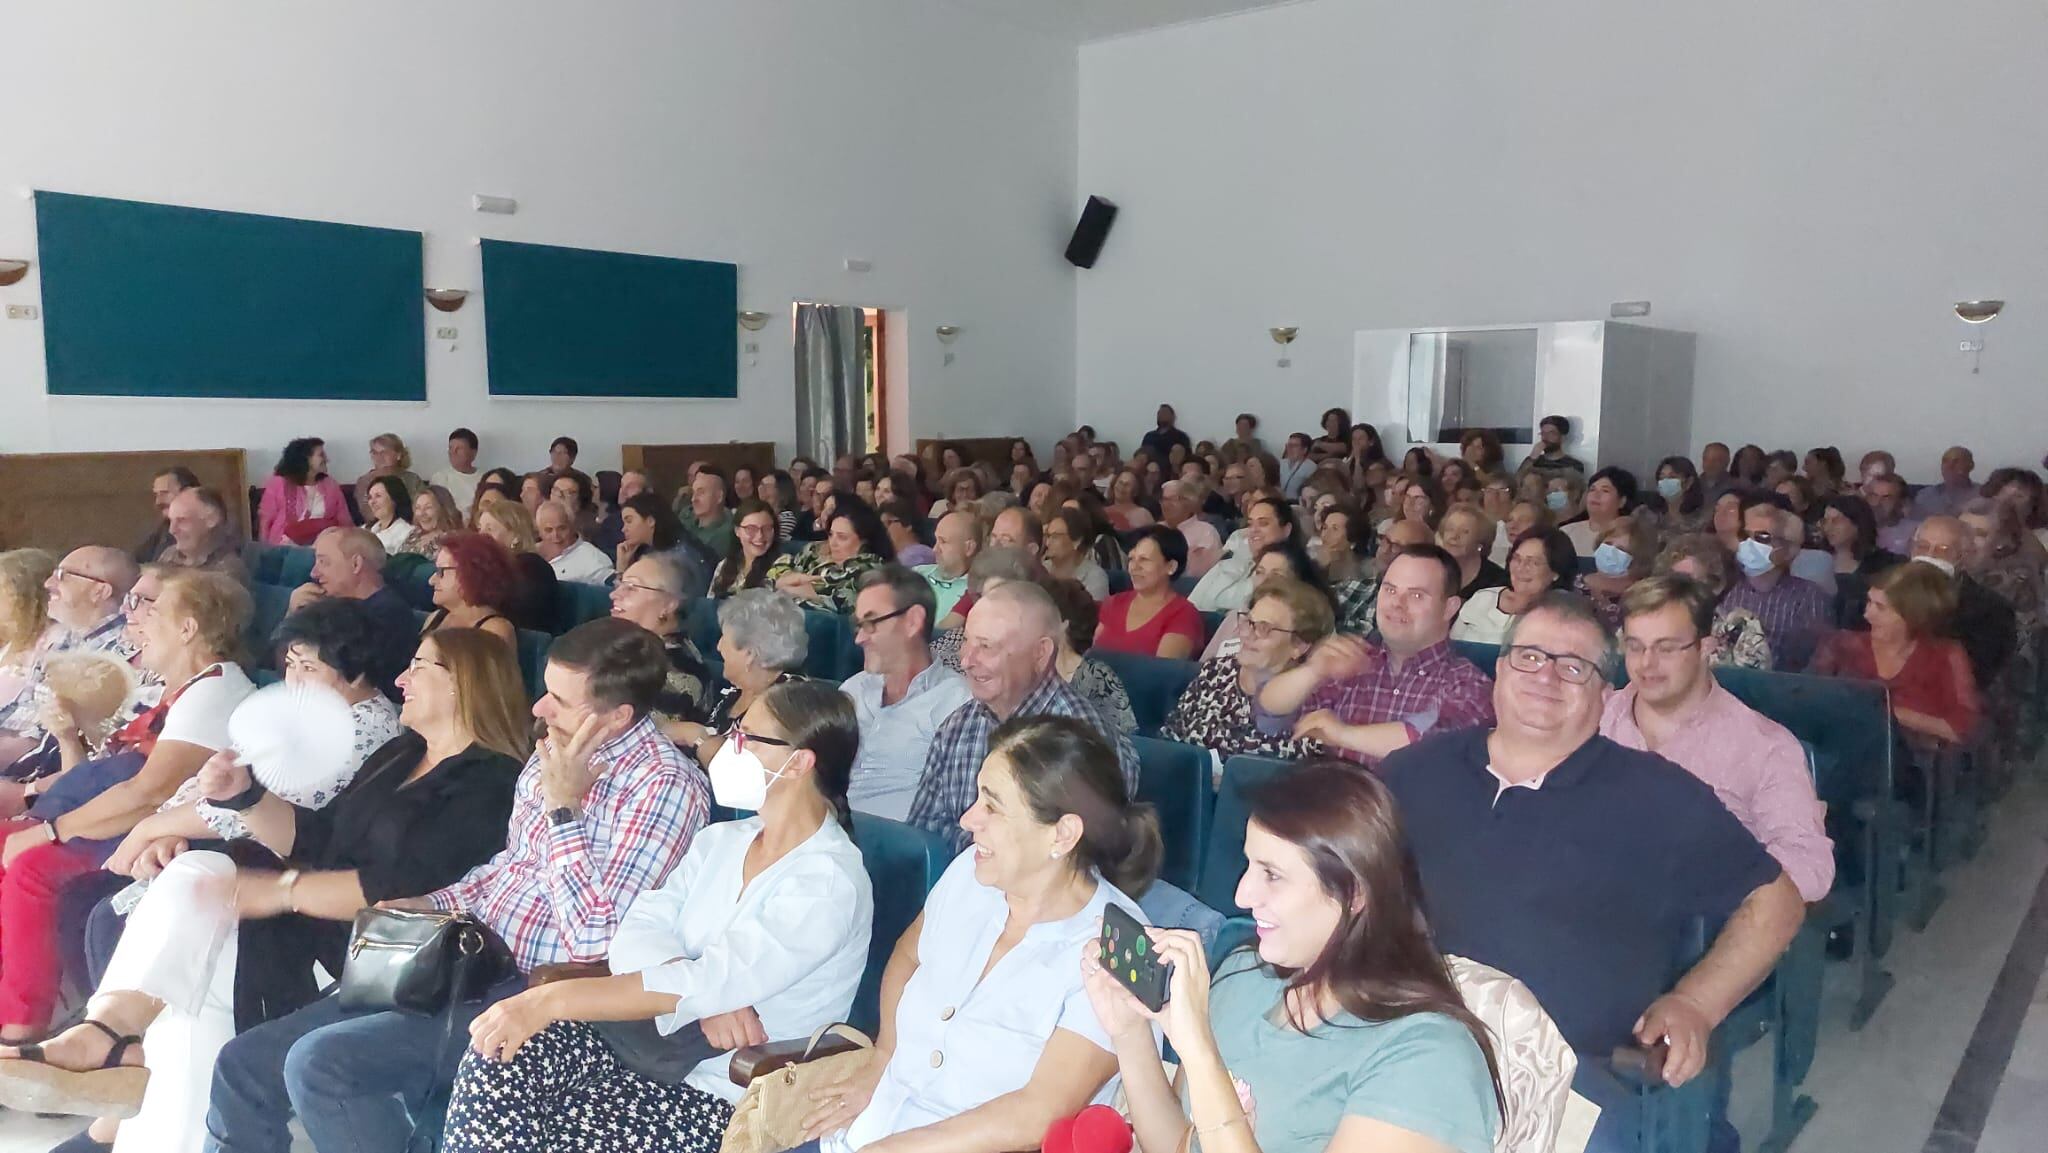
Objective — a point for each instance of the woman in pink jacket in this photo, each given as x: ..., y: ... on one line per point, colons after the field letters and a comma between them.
x: 301, y: 500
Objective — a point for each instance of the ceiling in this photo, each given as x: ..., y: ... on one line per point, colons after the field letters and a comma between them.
x: 1084, y: 20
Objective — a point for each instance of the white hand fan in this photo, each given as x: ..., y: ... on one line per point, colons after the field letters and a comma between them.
x: 296, y: 739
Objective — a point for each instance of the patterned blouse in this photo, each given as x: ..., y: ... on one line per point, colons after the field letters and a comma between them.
x: 1743, y: 644
x: 1215, y: 713
x: 1099, y: 685
x: 682, y: 696
x: 835, y: 581
x: 2019, y: 584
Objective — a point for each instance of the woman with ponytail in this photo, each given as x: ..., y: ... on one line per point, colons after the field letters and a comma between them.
x: 1342, y: 1030
x: 760, y: 934
x: 987, y: 1037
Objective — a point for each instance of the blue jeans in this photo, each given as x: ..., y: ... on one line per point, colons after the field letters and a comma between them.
x: 356, y: 1081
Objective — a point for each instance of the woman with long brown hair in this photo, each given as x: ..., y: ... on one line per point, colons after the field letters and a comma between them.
x: 1342, y: 1029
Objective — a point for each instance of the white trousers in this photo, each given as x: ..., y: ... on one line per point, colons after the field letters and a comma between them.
x: 179, y: 947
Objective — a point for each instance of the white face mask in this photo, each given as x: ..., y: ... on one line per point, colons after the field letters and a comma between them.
x: 738, y: 778
x: 1755, y: 557
x: 1611, y: 561
x: 1947, y: 567
x: 1669, y: 487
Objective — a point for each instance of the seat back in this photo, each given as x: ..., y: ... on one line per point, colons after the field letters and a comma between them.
x: 266, y: 562
x: 533, y: 660
x: 702, y: 626
x: 833, y: 656
x: 1847, y: 727
x: 1479, y: 653
x: 1174, y: 779
x: 577, y: 602
x: 1119, y: 581
x: 268, y: 605
x: 1223, y: 854
x: 1154, y: 684
x: 407, y: 575
x: 903, y: 863
x: 295, y: 566
x: 1536, y: 1065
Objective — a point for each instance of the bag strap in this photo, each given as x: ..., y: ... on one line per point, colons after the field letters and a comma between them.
x: 469, y: 943
x: 841, y: 1029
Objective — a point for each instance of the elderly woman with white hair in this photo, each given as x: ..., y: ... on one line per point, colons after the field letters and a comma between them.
x: 763, y: 643
x: 655, y: 593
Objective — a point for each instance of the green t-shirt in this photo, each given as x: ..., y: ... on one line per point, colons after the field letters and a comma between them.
x: 1423, y: 1073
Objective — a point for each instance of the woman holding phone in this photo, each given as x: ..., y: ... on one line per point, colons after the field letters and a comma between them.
x: 1342, y: 1031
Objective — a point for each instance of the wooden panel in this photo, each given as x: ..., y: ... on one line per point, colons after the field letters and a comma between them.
x: 667, y: 464
x: 995, y: 450
x: 61, y: 500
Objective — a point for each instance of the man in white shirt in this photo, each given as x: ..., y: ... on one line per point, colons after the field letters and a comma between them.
x: 1295, y: 466
x: 902, y: 694
x: 572, y: 557
x: 1228, y: 586
x: 461, y: 477
x: 1177, y: 510
x: 956, y: 542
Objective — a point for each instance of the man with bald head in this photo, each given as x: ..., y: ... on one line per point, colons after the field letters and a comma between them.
x: 565, y: 550
x: 348, y: 563
x: 202, y: 535
x: 1017, y: 528
x: 1984, y: 623
x: 1007, y: 658
x: 1956, y: 487
x: 955, y: 544
x: 86, y: 596
x: 632, y: 484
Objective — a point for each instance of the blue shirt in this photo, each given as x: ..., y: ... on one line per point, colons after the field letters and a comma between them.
x: 1584, y: 887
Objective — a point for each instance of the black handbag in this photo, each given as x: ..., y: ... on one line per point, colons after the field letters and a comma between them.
x: 420, y: 963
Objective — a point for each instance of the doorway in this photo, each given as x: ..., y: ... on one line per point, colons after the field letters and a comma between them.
x: 844, y: 388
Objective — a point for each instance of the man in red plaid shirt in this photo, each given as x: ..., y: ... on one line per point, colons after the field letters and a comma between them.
x: 604, y: 810
x: 1365, y: 701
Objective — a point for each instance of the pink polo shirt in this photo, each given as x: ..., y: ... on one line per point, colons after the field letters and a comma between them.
x: 1758, y: 769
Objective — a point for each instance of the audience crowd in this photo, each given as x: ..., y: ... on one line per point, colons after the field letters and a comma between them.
x: 664, y: 837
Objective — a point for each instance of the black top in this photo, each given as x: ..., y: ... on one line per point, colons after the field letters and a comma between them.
x: 1852, y: 589
x: 533, y: 606
x: 404, y: 840
x: 397, y: 637
x: 1586, y: 888
x: 682, y: 696
x: 1491, y: 576
x: 1985, y: 625
x: 1160, y: 442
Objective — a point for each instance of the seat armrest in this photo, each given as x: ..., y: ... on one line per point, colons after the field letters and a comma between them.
x: 567, y: 971
x: 755, y: 1060
x: 1640, y: 1066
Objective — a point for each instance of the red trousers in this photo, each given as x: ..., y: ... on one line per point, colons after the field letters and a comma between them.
x: 31, y: 961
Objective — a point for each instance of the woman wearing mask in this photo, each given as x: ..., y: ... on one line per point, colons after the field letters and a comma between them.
x: 1625, y: 555
x: 1342, y: 1029
x: 766, y: 919
x: 1685, y: 506
x: 1610, y: 495
x: 1564, y: 497
x: 1219, y: 711
x: 992, y: 1038
x: 1543, y: 560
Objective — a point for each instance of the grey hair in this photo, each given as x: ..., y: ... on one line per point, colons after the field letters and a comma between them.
x: 1004, y: 564
x: 991, y: 506
x: 1036, y: 610
x: 1573, y: 609
x: 670, y: 573
x: 906, y: 589
x: 768, y: 626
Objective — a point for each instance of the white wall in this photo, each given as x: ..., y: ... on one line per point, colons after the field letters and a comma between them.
x: 785, y: 136
x: 1807, y: 187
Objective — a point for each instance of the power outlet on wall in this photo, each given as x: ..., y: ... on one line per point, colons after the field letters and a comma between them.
x: 23, y: 312
x: 444, y: 334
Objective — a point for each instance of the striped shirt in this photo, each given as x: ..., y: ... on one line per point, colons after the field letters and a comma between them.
x: 555, y: 893
x: 1794, y: 611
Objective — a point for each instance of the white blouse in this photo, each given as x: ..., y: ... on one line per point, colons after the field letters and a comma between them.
x: 1482, y: 620
x: 792, y: 944
x: 393, y: 536
x: 963, y: 1039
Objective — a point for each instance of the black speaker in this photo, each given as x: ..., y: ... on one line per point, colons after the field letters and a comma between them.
x: 1091, y: 232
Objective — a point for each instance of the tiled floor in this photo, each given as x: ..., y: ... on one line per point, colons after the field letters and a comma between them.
x: 1881, y: 1089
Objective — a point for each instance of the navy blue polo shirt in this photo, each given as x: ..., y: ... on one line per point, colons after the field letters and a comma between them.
x: 1583, y: 888
x: 398, y: 635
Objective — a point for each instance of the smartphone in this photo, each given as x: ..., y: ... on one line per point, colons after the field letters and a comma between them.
x: 1127, y: 954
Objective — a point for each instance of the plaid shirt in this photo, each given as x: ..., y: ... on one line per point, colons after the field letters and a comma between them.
x: 1795, y: 613
x: 1357, y: 603
x: 947, y: 789
x: 1435, y: 690
x: 555, y: 893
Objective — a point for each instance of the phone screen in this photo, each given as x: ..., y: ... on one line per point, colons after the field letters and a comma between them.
x: 1127, y: 954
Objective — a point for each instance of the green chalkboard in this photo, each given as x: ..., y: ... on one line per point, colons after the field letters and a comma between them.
x: 160, y: 300
x: 576, y: 322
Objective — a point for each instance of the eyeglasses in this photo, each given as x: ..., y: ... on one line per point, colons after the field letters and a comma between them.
x: 1762, y: 538
x: 444, y: 570
x: 864, y: 624
x: 135, y: 602
x: 645, y: 588
x: 1573, y: 670
x: 61, y: 573
x: 741, y: 738
x: 1662, y: 649
x: 1261, y: 629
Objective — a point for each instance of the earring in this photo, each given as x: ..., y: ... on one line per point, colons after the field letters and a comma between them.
x: 1056, y: 854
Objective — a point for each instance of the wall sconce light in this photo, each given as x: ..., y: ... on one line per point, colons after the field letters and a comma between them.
x: 948, y: 333
x: 447, y: 299
x: 11, y: 271
x: 1977, y: 312
x: 1283, y: 337
x: 753, y: 321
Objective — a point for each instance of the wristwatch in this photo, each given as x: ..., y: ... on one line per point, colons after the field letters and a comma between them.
x: 562, y: 816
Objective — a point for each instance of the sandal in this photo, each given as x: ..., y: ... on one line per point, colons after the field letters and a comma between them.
x: 32, y: 1085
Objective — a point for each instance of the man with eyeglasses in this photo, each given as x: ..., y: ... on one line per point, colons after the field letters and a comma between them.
x: 1673, y: 706
x: 87, y: 598
x: 1581, y: 867
x: 1794, y: 611
x: 901, y: 695
x: 1364, y: 701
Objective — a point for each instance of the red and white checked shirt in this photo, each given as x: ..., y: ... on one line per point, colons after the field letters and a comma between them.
x: 1436, y: 690
x: 555, y: 894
